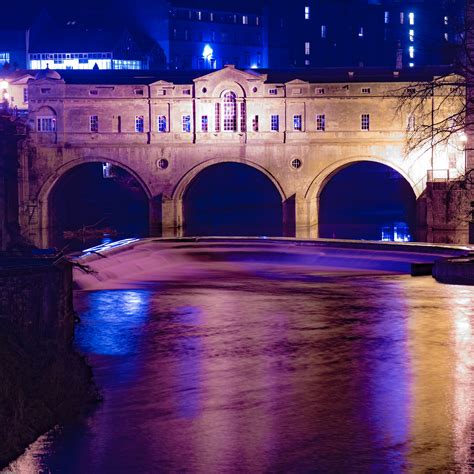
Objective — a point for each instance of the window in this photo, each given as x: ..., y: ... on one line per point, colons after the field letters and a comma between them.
x: 307, y: 47
x: 255, y: 123
x: 217, y: 117
x: 211, y: 16
x: 411, y: 18
x: 245, y: 20
x: 275, y: 123
x: 243, y: 117
x: 323, y: 31
x: 139, y: 123
x: 272, y: 91
x: 199, y: 15
x: 230, y: 112
x: 94, y: 123
x: 186, y: 91
x: 186, y: 123
x: 204, y: 124
x: 46, y: 124
x: 361, y: 32
x: 297, y: 123
x: 386, y: 17
x: 411, y: 52
x: 365, y: 90
x: 25, y: 95
x: 321, y: 123
x: 306, y: 13
x: 161, y: 124
x: 365, y: 122
x: 411, y: 35
x: 320, y: 91
x: 307, y: 62
x: 411, y: 90
x: 402, y: 18
x: 411, y: 123
x: 446, y: 20
x: 4, y: 58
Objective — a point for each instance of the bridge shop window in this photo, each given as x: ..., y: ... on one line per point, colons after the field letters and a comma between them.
x: 243, y: 117
x: 94, y: 123
x: 139, y: 123
x: 297, y: 123
x: 255, y: 123
x: 204, y: 124
x: 161, y: 124
x: 275, y: 123
x: 321, y: 123
x: 230, y: 112
x: 45, y: 124
x: 186, y: 121
x: 365, y: 122
x: 217, y: 117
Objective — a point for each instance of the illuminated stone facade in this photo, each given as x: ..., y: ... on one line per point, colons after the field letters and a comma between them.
x: 325, y: 122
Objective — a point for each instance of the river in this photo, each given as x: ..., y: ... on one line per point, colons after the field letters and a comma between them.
x: 264, y: 368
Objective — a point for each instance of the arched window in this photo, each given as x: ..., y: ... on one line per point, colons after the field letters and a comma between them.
x: 230, y: 112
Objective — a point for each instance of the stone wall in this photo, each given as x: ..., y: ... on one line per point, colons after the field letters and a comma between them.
x: 36, y: 297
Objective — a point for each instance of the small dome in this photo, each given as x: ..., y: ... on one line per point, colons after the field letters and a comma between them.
x: 48, y: 74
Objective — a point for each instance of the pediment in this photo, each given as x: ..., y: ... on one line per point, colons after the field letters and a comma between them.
x: 297, y: 82
x: 162, y: 83
x: 230, y: 73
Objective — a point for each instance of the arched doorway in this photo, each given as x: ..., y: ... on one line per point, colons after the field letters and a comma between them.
x: 94, y: 202
x: 232, y: 199
x: 367, y: 200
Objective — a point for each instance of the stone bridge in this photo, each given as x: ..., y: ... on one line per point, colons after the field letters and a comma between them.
x: 297, y: 128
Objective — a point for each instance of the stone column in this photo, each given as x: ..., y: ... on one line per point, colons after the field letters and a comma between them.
x: 171, y: 217
x: 296, y: 217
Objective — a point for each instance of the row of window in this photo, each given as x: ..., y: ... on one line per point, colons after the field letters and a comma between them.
x: 218, y: 17
x: 411, y: 17
x: 48, y: 124
x: 70, y: 56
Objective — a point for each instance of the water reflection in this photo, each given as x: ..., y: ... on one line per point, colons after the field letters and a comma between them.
x: 253, y: 374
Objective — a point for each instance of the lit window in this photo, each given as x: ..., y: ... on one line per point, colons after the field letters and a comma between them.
x: 46, y: 124
x: 321, y: 123
x: 365, y: 90
x: 245, y: 20
x: 243, y: 117
x: 230, y: 112
x: 186, y: 122
x: 306, y: 13
x: 361, y: 32
x: 257, y: 20
x: 204, y: 124
x: 217, y: 117
x: 411, y: 35
x: 365, y: 122
x: 255, y: 123
x: 307, y: 48
x: 446, y: 36
x: 411, y: 123
x: 411, y: 18
x: 94, y: 123
x: 199, y: 15
x: 320, y: 91
x: 275, y: 123
x: 4, y: 58
x: 411, y: 52
x: 161, y: 124
x: 307, y: 62
x: 323, y: 31
x: 411, y: 64
x: 386, y: 17
x: 211, y: 16
x: 297, y: 123
x: 446, y: 20
x: 402, y: 18
x: 139, y: 123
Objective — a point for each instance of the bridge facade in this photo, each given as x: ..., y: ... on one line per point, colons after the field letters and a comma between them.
x: 298, y: 130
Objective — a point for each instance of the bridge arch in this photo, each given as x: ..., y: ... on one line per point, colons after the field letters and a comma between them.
x: 229, y: 197
x: 317, y: 185
x: 45, y: 193
x: 363, y: 199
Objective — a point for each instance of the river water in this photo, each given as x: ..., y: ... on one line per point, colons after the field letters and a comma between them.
x: 266, y: 369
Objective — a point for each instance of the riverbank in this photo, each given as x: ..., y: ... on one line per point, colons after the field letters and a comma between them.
x: 41, y: 385
x: 43, y: 381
